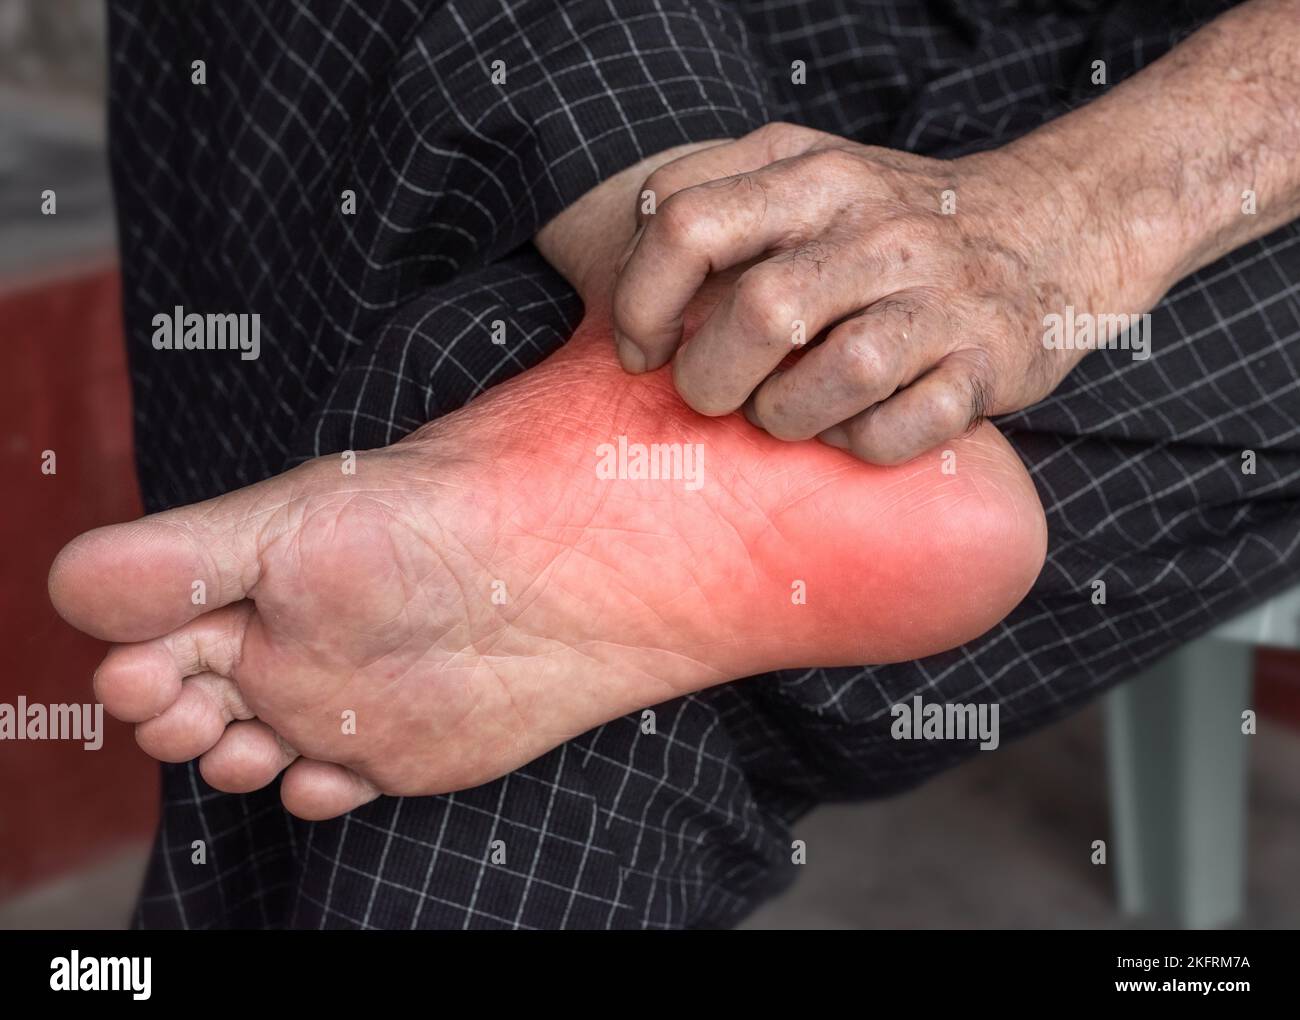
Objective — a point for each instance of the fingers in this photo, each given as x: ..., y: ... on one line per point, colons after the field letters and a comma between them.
x: 316, y: 790
x: 766, y: 145
x: 862, y: 361
x: 702, y: 230
x: 944, y: 403
x: 851, y: 229
x: 773, y: 309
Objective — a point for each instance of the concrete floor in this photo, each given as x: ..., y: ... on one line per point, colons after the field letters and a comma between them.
x: 1002, y: 842
x: 1005, y: 841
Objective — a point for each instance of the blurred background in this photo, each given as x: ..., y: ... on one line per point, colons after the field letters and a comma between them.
x: 73, y: 823
x: 1002, y: 842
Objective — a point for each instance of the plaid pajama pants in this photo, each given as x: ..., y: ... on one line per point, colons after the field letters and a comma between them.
x: 230, y: 199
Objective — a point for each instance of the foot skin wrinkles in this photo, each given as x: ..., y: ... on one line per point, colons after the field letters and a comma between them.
x: 573, y: 545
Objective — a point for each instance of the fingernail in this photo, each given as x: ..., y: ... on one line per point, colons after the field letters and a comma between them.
x: 836, y: 436
x: 629, y: 354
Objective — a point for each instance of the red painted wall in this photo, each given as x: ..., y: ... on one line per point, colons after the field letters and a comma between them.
x: 63, y: 387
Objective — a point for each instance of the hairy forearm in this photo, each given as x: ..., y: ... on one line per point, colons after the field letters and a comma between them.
x: 1188, y: 159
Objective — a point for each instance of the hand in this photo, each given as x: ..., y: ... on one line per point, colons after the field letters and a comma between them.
x: 927, y: 283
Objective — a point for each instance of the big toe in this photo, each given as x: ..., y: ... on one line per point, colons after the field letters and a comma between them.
x: 140, y: 580
x: 128, y: 582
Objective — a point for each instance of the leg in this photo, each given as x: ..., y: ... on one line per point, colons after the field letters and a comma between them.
x: 1178, y: 784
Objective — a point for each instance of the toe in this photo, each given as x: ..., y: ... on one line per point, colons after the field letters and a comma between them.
x: 248, y: 756
x: 143, y: 579
x: 195, y: 722
x: 137, y: 682
x: 316, y: 790
x: 141, y: 681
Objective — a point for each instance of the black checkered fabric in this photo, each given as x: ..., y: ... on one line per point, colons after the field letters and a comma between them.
x: 230, y: 198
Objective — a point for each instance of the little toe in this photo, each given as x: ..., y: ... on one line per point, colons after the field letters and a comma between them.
x: 317, y: 790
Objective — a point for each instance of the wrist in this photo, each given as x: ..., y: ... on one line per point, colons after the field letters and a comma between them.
x: 1114, y: 224
x: 1190, y: 157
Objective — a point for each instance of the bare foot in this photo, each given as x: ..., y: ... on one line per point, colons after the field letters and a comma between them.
x: 481, y: 592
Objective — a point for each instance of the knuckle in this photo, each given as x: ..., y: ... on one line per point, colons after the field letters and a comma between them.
x: 776, y: 129
x: 902, y: 232
x: 779, y: 136
x: 868, y: 365
x: 682, y: 220
x: 766, y: 304
x: 665, y: 182
x: 899, y: 317
x: 772, y: 132
x: 658, y: 184
x: 954, y: 406
x: 909, y: 320
x: 834, y: 161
